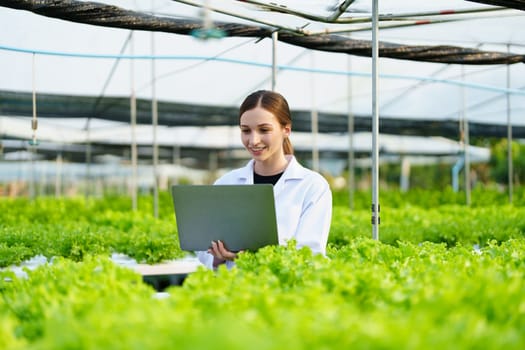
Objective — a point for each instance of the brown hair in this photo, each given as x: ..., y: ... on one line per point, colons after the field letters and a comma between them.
x: 274, y: 103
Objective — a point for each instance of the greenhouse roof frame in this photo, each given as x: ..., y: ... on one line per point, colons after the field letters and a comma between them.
x: 181, y: 114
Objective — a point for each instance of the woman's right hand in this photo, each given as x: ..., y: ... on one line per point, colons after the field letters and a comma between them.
x: 220, y: 253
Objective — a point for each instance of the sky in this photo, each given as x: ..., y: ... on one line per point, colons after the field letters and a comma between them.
x: 195, y: 71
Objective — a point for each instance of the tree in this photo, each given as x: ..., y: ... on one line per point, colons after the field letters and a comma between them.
x: 499, y: 162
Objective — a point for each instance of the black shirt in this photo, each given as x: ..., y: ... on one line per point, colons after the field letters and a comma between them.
x: 262, y: 179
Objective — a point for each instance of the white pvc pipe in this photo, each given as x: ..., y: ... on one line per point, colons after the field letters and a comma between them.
x: 404, y: 179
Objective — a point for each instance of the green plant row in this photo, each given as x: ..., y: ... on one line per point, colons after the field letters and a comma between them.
x: 480, y: 196
x: 73, y: 228
x: 364, y: 295
x: 449, y: 224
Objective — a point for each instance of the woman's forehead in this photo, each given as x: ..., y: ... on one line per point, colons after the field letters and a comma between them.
x: 258, y: 116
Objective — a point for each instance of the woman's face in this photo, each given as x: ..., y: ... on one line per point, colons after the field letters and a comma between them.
x: 262, y: 135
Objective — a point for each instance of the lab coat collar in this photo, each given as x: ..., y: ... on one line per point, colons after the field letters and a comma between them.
x: 246, y: 173
x: 294, y: 171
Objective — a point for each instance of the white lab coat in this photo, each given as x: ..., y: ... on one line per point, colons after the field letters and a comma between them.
x: 303, y: 205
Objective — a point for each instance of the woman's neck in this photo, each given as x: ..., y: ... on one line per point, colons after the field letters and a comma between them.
x: 270, y: 166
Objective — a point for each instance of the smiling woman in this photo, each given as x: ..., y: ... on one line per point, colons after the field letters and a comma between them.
x: 303, y: 199
x: 265, y: 127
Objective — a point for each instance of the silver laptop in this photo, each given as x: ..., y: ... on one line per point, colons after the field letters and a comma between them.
x: 241, y: 216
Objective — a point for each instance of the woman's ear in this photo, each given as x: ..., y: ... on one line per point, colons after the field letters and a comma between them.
x: 287, y: 130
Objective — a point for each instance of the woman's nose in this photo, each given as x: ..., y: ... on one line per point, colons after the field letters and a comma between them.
x: 254, y: 138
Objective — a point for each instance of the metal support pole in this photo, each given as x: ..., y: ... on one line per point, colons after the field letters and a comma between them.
x: 404, y: 180
x: 314, y: 121
x: 351, y: 165
x: 466, y: 140
x: 133, y: 112
x: 213, y: 163
x: 274, y: 59
x: 509, y: 137
x: 176, y: 155
x: 33, y: 143
x: 375, y: 123
x: 34, y: 121
x: 155, y: 118
x: 468, y: 184
x: 58, y: 176
x: 88, y: 158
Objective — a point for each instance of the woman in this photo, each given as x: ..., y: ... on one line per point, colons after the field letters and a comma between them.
x: 303, y: 200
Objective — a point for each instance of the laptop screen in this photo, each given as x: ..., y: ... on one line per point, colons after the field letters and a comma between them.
x: 241, y: 216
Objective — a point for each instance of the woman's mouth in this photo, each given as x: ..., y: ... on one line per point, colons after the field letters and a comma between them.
x: 256, y: 150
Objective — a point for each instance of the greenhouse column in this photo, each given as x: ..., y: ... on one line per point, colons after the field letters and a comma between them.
x: 375, y: 124
x: 466, y: 139
x: 509, y: 135
x: 33, y: 142
x: 351, y: 165
x: 155, y: 118
x: 88, y: 158
x: 213, y: 163
x: 58, y: 176
x: 314, y: 119
x: 133, y: 112
x: 404, y: 181
x: 274, y: 59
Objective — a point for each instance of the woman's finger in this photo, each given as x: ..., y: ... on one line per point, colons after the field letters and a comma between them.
x: 215, y: 251
x: 225, y: 252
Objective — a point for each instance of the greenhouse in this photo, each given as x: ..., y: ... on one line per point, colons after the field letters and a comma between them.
x: 411, y: 112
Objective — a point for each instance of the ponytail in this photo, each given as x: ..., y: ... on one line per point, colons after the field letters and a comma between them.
x: 287, y: 146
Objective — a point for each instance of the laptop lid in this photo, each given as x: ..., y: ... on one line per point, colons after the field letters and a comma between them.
x: 241, y: 216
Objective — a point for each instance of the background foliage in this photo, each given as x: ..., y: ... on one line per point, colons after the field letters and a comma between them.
x: 443, y: 275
